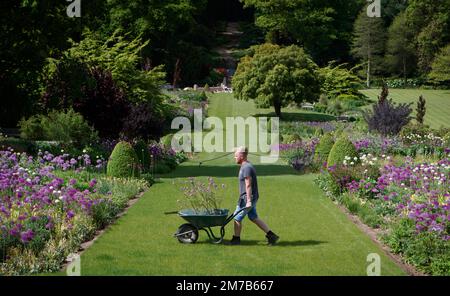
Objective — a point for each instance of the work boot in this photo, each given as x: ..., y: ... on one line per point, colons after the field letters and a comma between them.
x: 236, y: 240
x: 272, y: 238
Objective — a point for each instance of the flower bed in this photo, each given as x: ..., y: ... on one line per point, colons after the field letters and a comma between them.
x: 49, y: 205
x: 410, y: 201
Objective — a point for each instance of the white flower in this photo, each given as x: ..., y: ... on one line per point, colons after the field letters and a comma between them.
x: 54, y: 191
x: 374, y: 159
x: 355, y: 158
x: 57, y: 201
x: 62, y: 150
x: 28, y: 180
x: 403, y: 184
x: 371, y: 162
x: 352, y: 163
x: 61, y: 197
x: 51, y: 188
x: 383, y: 156
x: 425, y: 178
x: 84, y: 151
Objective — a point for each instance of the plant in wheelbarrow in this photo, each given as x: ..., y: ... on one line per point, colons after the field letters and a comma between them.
x: 201, y: 209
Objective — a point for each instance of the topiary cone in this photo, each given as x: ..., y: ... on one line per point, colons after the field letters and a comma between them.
x: 123, y: 162
x: 323, y: 148
x: 342, y: 148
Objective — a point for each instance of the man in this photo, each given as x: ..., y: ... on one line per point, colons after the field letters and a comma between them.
x: 248, y: 197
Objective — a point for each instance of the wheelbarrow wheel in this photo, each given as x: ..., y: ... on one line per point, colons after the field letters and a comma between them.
x: 187, y: 234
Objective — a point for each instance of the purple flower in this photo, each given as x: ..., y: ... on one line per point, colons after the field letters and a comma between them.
x: 26, y: 236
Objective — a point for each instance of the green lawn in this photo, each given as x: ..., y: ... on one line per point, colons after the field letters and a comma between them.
x: 316, y: 238
x: 437, y: 103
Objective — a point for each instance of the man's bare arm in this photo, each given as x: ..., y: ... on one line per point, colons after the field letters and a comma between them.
x: 248, y: 190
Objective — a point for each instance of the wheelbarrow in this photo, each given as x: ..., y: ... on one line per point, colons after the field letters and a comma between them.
x: 188, y: 233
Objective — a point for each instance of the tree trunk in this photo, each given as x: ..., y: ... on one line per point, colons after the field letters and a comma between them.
x: 277, y: 106
x: 176, y: 73
x: 404, y: 69
x: 368, y: 73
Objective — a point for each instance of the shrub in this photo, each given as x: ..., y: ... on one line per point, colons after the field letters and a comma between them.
x: 68, y: 127
x: 342, y: 148
x: 64, y: 126
x: 31, y: 128
x: 323, y: 148
x: 421, y: 109
x: 123, y: 162
x: 387, y: 118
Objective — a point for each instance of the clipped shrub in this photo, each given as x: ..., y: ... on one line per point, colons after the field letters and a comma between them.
x: 323, y: 148
x: 123, y: 162
x: 342, y: 148
x: 143, y: 154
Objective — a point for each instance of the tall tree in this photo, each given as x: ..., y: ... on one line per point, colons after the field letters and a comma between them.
x: 322, y: 27
x: 400, y: 52
x: 440, y: 69
x: 430, y: 22
x: 369, y: 43
x: 275, y: 76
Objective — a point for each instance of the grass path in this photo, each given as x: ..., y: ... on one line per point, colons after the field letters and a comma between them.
x: 437, y: 103
x: 316, y: 238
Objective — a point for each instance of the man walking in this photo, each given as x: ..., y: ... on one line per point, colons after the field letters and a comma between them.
x: 248, y: 197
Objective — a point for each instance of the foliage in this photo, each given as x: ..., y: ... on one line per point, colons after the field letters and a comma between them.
x: 400, y: 52
x: 123, y: 162
x: 368, y: 43
x: 323, y: 148
x: 342, y: 148
x: 421, y: 109
x: 275, y: 76
x: 66, y: 127
x: 121, y: 57
x: 386, y: 117
x: 337, y: 81
x: 312, y: 24
x: 430, y: 22
x: 143, y: 121
x: 440, y: 73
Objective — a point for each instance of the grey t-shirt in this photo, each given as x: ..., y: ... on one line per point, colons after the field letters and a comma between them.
x: 247, y: 170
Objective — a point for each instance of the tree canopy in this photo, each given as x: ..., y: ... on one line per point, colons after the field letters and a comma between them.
x: 275, y: 76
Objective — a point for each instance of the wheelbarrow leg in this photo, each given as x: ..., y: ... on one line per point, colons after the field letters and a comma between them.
x: 210, y: 233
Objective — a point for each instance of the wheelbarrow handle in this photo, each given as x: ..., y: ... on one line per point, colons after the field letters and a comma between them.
x: 231, y: 217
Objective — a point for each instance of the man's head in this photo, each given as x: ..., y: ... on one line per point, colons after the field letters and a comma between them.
x: 240, y: 154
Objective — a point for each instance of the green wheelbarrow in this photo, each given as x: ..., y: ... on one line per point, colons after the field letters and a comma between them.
x: 188, y: 233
